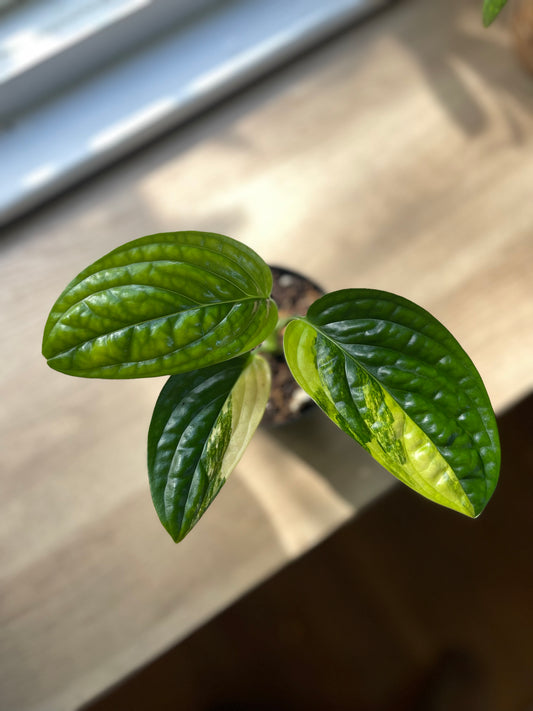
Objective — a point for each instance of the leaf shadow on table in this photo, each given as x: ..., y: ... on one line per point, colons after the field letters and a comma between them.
x: 344, y: 464
x: 460, y: 57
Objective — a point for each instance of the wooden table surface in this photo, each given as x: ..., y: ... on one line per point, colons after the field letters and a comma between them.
x: 397, y: 156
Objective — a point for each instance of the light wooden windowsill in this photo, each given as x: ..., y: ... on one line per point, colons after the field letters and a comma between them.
x: 398, y: 157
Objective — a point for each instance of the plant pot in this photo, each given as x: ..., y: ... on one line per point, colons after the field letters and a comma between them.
x: 293, y: 293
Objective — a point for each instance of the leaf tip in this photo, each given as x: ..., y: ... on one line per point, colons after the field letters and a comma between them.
x: 491, y: 10
x: 175, y: 532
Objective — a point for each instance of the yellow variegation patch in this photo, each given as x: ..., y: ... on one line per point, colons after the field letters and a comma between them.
x: 405, y: 450
x: 238, y: 419
x: 245, y: 407
x: 369, y: 414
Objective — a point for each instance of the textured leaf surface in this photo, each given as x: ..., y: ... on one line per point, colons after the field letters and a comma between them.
x: 201, y: 425
x: 491, y: 10
x: 159, y: 305
x: 394, y: 378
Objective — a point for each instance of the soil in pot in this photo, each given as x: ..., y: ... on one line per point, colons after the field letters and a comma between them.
x: 294, y: 294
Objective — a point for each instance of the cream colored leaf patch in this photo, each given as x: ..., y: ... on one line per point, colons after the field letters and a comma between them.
x: 393, y: 378
x: 201, y: 425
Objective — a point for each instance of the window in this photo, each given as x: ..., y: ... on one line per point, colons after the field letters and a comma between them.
x: 84, y: 83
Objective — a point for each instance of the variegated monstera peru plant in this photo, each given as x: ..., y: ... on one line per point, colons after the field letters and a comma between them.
x: 197, y: 307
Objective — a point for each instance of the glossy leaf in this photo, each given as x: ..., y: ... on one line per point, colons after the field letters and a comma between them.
x: 201, y: 425
x: 163, y: 304
x: 394, y: 378
x: 491, y: 10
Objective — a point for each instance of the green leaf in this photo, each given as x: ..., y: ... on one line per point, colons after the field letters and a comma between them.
x: 394, y: 378
x: 201, y: 425
x: 491, y: 9
x: 163, y: 304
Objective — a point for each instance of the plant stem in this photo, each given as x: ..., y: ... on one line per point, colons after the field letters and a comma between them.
x: 273, y: 343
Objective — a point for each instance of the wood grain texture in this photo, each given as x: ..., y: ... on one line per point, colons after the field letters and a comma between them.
x: 397, y: 157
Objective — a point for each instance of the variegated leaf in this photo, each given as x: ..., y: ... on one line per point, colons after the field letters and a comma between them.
x: 201, y: 425
x: 394, y: 378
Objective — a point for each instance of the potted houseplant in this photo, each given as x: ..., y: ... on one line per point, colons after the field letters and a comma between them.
x: 197, y: 306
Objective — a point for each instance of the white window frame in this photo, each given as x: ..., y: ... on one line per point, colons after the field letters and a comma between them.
x: 138, y: 68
